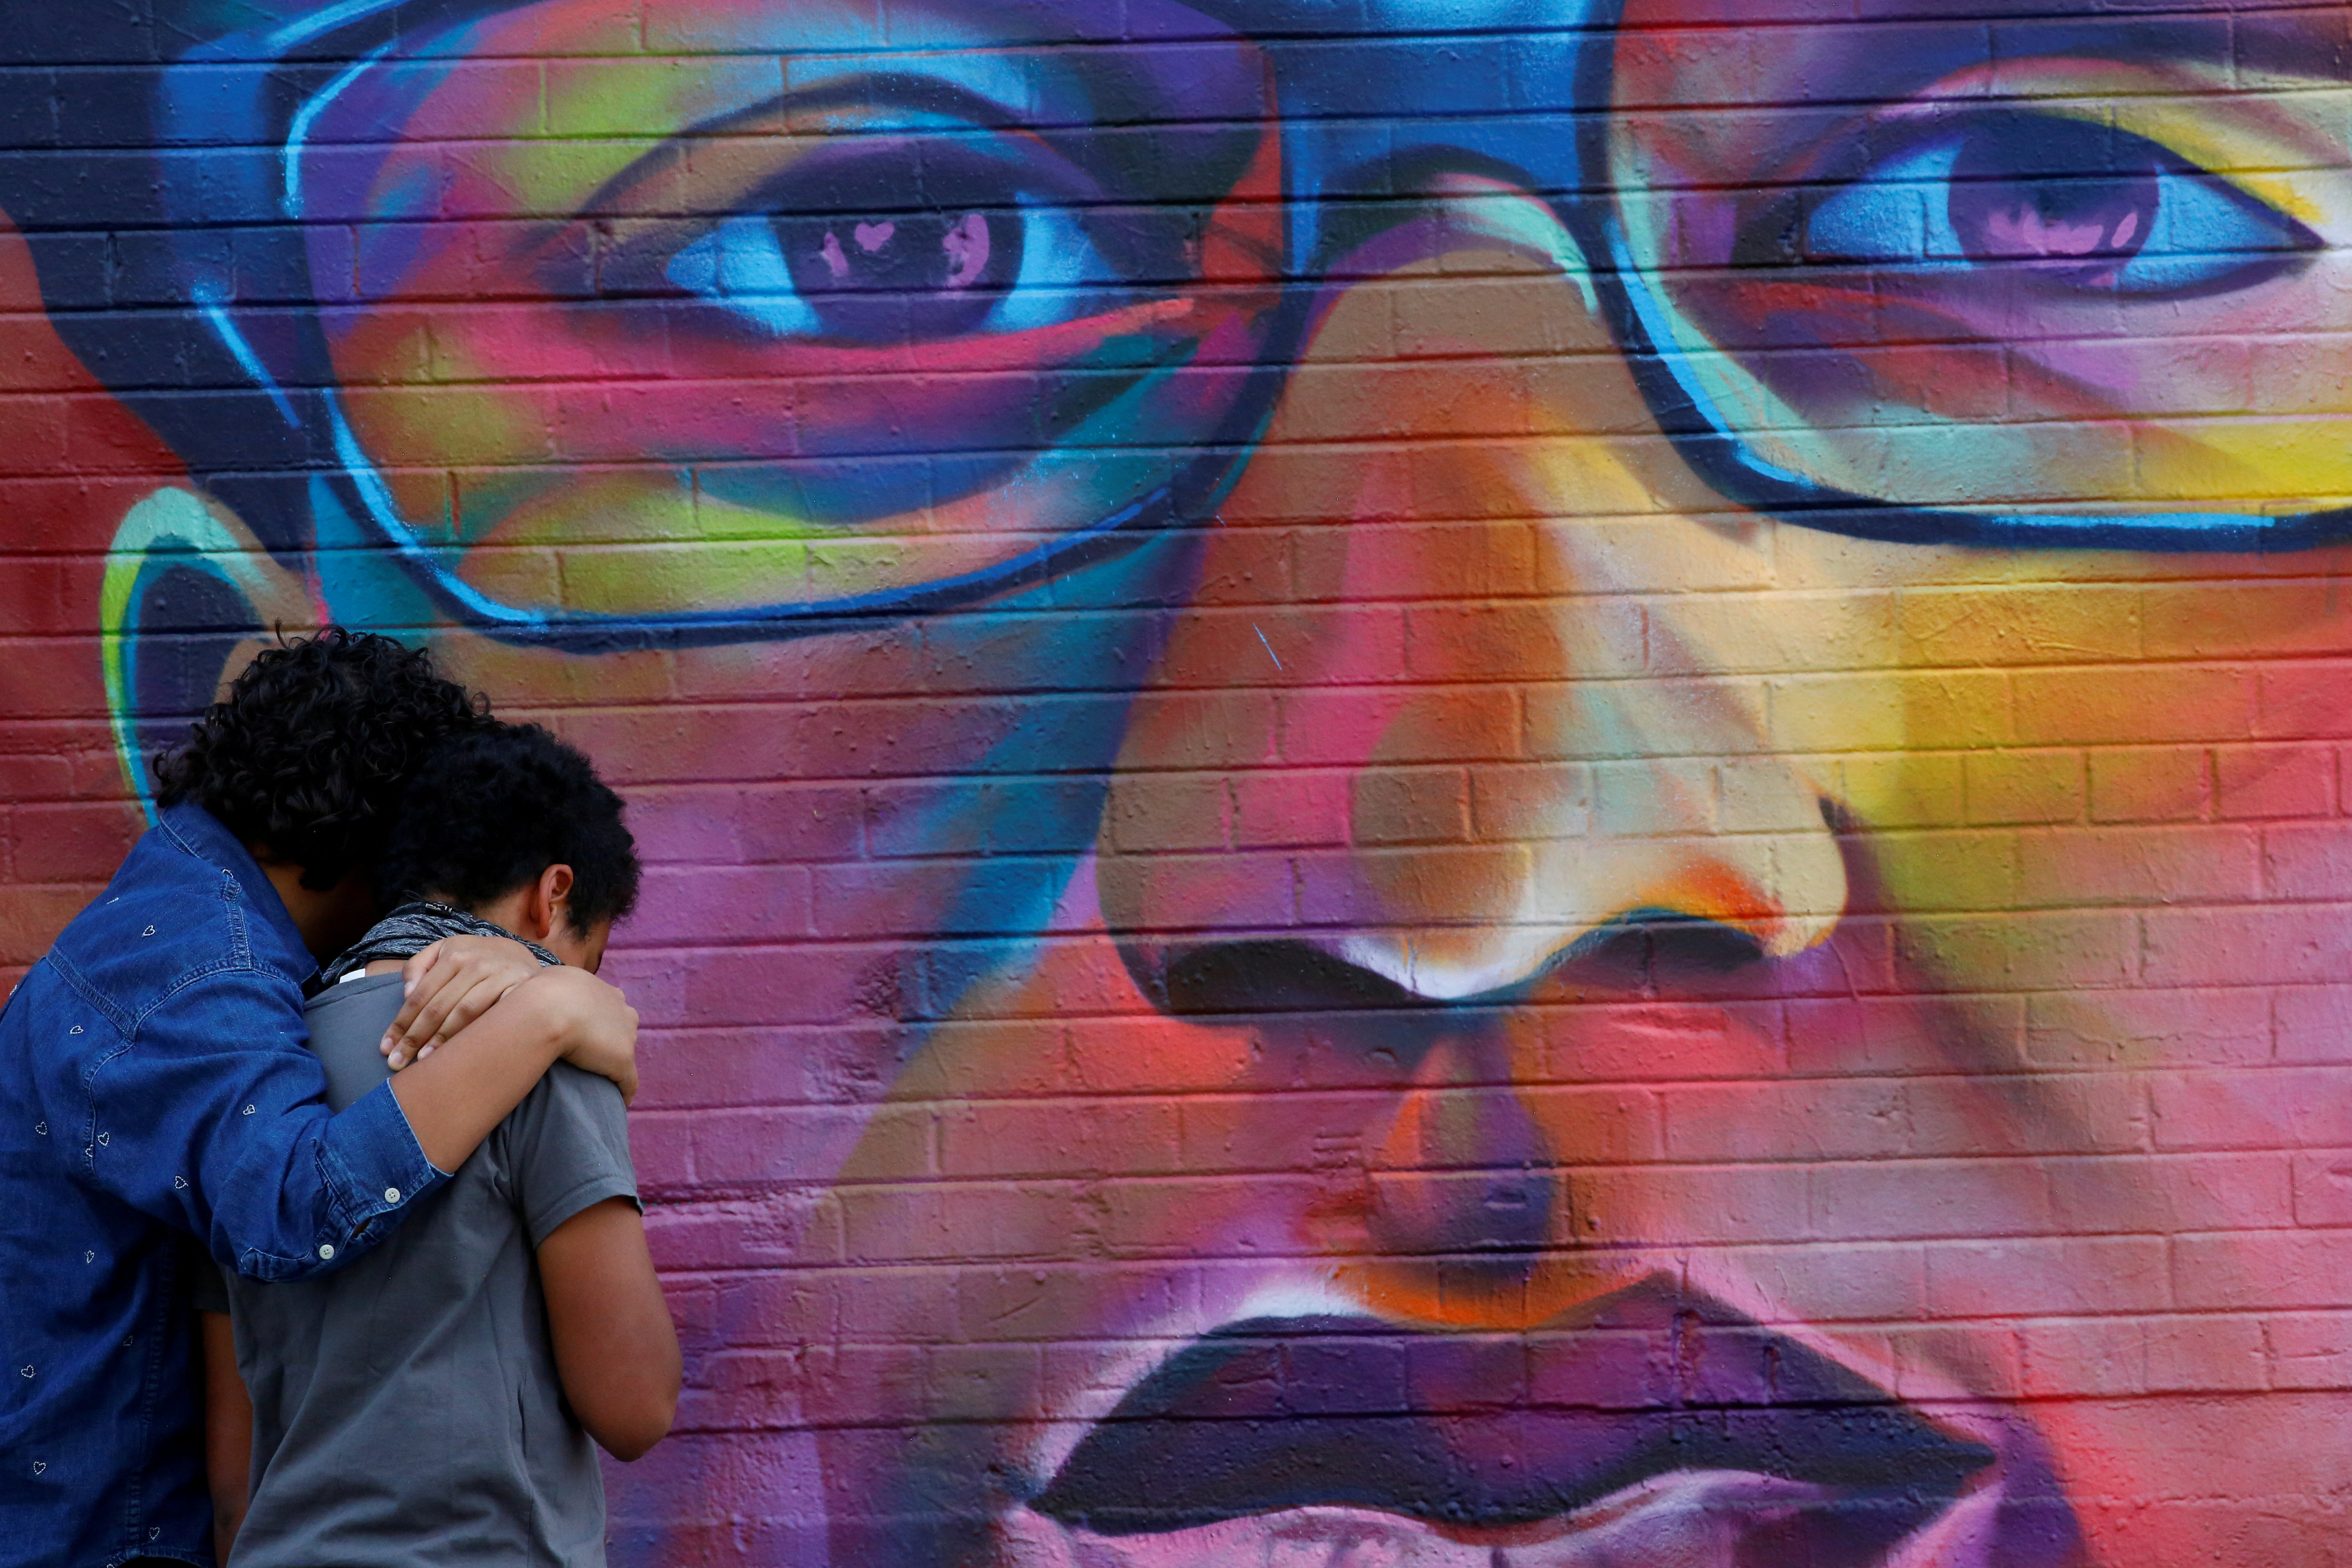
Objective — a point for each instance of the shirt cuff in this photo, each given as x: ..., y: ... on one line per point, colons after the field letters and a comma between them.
x: 375, y: 1165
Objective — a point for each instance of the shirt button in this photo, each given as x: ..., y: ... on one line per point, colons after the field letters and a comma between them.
x: 326, y: 1250
x: 391, y: 1194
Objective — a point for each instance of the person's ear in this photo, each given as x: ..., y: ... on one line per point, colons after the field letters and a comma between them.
x: 189, y: 597
x: 548, y: 910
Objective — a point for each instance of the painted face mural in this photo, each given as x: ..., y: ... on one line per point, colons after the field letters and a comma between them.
x: 1531, y: 786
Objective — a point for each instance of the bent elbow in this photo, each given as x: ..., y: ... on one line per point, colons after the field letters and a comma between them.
x: 630, y: 1428
x: 635, y: 1446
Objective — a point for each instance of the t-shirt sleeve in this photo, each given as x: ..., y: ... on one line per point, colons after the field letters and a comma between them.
x: 568, y: 1149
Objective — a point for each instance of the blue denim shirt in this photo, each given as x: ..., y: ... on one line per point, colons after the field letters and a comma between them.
x: 153, y: 1088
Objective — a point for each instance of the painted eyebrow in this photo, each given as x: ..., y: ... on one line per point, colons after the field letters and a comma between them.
x: 1818, y: 85
x: 930, y: 95
x: 2293, y: 45
x: 1830, y: 70
x: 2291, y: 40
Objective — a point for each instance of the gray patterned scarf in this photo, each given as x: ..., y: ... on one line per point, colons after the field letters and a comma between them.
x: 411, y: 929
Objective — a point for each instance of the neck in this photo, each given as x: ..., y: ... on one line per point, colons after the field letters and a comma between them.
x: 513, y: 912
x: 330, y: 919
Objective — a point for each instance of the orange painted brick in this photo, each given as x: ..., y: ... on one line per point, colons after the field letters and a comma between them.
x: 2136, y: 704
x: 2152, y: 783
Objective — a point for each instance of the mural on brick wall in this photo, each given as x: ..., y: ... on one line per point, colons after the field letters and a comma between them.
x: 1507, y: 784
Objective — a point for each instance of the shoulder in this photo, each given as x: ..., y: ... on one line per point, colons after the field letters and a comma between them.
x: 566, y: 1148
x: 568, y: 1117
x: 569, y: 1098
x: 370, y: 1002
x: 578, y: 1086
x: 166, y: 921
x: 170, y: 921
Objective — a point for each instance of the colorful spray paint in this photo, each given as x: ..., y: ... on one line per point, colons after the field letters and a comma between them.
x: 1522, y: 785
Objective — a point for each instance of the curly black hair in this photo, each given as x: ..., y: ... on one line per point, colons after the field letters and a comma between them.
x: 493, y: 808
x: 310, y: 751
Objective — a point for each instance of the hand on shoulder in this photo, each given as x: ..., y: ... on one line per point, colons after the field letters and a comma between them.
x: 448, y: 985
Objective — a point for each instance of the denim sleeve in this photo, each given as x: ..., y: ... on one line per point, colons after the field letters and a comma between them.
x: 210, y: 1116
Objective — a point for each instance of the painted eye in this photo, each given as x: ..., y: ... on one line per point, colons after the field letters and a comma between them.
x: 2054, y: 199
x: 2076, y: 205
x: 888, y: 248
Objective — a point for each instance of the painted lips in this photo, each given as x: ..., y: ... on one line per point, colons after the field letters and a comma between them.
x: 1660, y: 1406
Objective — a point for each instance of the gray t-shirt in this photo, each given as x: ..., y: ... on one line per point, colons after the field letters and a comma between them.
x: 406, y: 1409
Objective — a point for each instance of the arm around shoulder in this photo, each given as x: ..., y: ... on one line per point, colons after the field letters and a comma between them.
x: 615, y: 1347
x: 456, y: 1097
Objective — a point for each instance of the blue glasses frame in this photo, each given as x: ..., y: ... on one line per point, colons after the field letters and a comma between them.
x: 1683, y: 410
x: 334, y: 46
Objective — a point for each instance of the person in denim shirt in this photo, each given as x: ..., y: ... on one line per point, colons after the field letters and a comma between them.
x: 154, y: 1090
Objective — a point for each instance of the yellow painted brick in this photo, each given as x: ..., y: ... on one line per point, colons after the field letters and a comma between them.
x: 1891, y: 711
x: 1903, y: 789
x: 2026, y: 786
x: 2064, y: 624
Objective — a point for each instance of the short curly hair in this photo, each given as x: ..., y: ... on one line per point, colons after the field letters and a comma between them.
x: 310, y: 751
x: 493, y: 808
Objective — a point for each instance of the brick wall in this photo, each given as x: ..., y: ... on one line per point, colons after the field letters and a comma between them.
x: 1522, y: 785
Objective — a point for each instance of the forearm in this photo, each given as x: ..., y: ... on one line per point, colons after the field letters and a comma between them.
x: 230, y: 1143
x: 455, y: 1097
x: 615, y: 1347
x: 228, y: 1431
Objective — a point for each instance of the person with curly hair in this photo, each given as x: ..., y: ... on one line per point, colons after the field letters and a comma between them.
x: 155, y: 1053
x: 516, y: 1325
x: 510, y: 824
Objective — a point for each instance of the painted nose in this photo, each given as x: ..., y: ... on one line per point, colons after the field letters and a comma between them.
x: 1462, y: 1169
x: 1458, y: 690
